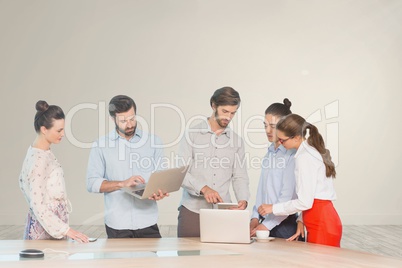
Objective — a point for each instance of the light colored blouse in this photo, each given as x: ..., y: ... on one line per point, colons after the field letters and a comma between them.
x: 42, y: 183
x: 311, y: 182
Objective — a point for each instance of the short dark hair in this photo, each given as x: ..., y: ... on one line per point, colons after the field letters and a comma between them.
x: 45, y: 114
x: 121, y: 104
x: 225, y: 96
x: 279, y: 109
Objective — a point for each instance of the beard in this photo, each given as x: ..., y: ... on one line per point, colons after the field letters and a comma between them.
x: 128, y: 132
x: 223, y: 123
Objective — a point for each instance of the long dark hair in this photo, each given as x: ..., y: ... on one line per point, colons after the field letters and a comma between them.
x: 279, y: 109
x: 295, y: 125
x: 46, y: 114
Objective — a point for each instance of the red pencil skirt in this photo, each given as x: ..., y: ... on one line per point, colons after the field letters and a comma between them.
x: 323, y: 224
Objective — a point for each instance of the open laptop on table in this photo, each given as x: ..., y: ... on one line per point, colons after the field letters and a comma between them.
x: 169, y: 180
x: 225, y: 226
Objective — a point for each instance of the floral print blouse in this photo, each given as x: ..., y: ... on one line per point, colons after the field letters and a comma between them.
x: 42, y: 183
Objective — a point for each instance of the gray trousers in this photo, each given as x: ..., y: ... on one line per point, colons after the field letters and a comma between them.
x: 188, y: 223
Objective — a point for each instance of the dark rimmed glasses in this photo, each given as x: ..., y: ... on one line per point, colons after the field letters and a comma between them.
x: 282, y: 141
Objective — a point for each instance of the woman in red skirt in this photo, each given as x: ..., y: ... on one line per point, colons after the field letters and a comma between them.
x: 314, y: 172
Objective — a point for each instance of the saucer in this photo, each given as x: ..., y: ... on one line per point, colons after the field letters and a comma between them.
x: 264, y: 239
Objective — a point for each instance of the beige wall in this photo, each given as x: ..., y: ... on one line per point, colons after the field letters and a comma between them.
x: 340, y: 58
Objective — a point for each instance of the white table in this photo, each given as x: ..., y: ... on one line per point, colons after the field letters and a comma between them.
x: 187, y: 252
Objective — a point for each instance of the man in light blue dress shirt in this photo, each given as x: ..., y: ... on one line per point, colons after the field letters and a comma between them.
x: 124, y: 158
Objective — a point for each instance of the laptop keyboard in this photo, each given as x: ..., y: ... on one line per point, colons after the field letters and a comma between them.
x: 139, y: 192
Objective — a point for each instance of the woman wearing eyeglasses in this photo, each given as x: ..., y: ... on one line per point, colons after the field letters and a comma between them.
x: 314, y: 173
x: 277, y: 179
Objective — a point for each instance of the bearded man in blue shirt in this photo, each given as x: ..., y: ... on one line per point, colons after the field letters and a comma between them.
x: 113, y: 164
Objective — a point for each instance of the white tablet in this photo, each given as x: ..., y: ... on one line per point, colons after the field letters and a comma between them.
x: 227, y: 205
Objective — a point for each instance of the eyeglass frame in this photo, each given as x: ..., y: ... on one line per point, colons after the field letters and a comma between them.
x: 282, y: 141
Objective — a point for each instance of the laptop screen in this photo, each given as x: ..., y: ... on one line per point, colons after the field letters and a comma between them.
x: 225, y: 226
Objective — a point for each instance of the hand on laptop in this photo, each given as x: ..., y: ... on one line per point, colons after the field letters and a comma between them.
x: 211, y: 195
x: 133, y: 181
x: 158, y: 196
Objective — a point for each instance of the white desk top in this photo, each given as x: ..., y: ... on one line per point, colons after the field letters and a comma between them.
x: 160, y: 253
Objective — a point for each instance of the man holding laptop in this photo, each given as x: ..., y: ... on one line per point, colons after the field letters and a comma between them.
x: 216, y: 155
x: 112, y: 166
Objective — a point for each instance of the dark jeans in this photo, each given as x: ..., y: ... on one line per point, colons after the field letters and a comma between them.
x: 286, y: 229
x: 148, y: 232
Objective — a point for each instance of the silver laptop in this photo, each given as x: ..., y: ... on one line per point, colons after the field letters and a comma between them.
x: 167, y: 181
x: 225, y: 226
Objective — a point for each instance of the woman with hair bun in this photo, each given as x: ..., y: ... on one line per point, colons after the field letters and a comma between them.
x: 42, y: 181
x: 314, y: 173
x: 277, y: 179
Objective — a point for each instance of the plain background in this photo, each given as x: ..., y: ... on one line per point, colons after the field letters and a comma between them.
x: 339, y: 62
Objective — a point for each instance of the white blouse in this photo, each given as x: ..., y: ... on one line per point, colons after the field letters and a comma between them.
x: 42, y: 183
x: 311, y: 182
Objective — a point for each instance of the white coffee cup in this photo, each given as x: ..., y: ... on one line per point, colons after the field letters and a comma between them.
x: 262, y: 234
